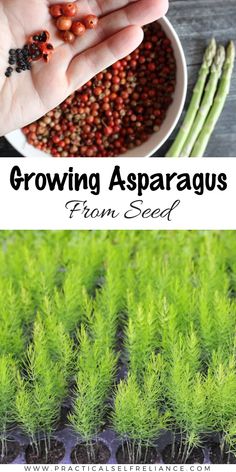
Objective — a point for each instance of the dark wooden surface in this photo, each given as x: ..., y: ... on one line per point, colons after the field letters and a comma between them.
x: 196, y: 21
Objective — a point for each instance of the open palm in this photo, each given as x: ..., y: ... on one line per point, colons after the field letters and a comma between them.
x: 27, y: 96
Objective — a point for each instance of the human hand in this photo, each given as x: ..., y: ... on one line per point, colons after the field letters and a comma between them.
x: 26, y: 97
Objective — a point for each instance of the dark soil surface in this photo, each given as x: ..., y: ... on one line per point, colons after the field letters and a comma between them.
x: 148, y: 456
x: 53, y: 456
x: 215, y: 455
x: 13, y: 449
x: 196, y: 457
x: 99, y: 454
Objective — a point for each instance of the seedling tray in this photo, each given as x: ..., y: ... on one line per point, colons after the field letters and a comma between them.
x: 107, y: 437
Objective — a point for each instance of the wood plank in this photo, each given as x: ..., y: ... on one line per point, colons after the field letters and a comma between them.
x: 196, y: 21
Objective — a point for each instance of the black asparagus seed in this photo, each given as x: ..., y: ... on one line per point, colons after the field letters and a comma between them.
x: 43, y: 37
x: 21, y: 58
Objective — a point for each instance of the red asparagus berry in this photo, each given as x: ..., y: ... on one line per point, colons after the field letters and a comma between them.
x: 39, y: 47
x: 69, y: 9
x: 56, y: 10
x: 78, y: 28
x: 41, y: 37
x: 64, y: 23
x: 68, y: 37
x: 90, y: 21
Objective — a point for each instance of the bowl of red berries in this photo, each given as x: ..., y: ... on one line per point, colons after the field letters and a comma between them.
x: 127, y: 110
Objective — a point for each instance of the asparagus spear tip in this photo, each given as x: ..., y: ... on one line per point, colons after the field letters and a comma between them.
x: 209, y: 54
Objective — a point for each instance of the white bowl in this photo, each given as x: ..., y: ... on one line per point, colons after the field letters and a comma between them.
x: 156, y: 140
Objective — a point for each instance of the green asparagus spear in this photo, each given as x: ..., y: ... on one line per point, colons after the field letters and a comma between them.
x: 219, y: 102
x: 209, y: 55
x: 208, y: 99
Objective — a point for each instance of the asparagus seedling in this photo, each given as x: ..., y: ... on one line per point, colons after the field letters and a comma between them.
x: 186, y: 395
x: 137, y: 415
x: 7, y: 396
x: 176, y: 147
x: 218, y: 105
x: 221, y: 398
x: 230, y: 439
x: 208, y: 99
x: 96, y: 369
x: 43, y: 384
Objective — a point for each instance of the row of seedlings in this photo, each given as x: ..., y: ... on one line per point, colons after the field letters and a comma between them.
x: 198, y: 339
x: 39, y: 276
x: 97, y: 359
x: 137, y: 415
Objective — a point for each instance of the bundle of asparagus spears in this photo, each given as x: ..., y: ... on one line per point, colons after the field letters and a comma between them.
x: 208, y: 100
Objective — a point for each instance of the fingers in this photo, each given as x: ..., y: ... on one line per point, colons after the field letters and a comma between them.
x: 98, y: 7
x: 136, y: 13
x: 104, y: 7
x: 130, y: 12
x: 98, y: 58
x: 139, y: 13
